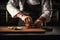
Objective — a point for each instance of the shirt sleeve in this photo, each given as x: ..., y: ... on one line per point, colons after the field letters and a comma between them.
x: 46, y: 10
x: 11, y: 8
x: 21, y: 3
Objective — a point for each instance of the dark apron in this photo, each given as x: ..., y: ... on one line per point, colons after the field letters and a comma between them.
x: 31, y: 10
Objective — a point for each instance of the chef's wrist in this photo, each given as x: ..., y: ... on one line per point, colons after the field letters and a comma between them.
x: 20, y: 14
x: 42, y: 18
x: 39, y: 20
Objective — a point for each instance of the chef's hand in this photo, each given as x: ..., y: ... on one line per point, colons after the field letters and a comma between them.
x: 39, y: 21
x: 26, y: 19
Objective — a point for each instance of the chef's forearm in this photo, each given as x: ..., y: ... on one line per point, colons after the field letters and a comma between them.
x: 46, y: 11
x: 20, y: 14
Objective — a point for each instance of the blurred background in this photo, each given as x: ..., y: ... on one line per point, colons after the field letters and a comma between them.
x: 8, y: 21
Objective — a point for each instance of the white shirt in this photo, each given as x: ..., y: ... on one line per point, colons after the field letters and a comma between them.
x: 11, y: 7
x: 33, y: 2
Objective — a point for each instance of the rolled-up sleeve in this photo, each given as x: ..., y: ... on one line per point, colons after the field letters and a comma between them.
x: 46, y: 10
x: 11, y: 9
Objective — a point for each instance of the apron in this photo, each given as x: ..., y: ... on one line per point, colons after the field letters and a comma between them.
x: 31, y: 10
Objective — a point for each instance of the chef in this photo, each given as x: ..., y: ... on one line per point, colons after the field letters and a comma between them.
x: 30, y: 11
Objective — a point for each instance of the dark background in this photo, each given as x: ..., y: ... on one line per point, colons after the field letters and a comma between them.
x: 13, y: 21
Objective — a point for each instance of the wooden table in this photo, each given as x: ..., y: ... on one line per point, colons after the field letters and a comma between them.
x: 5, y: 29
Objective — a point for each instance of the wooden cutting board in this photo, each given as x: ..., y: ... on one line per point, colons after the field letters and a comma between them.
x: 6, y: 29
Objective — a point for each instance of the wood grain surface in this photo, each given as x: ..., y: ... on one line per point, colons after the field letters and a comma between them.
x: 6, y: 29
